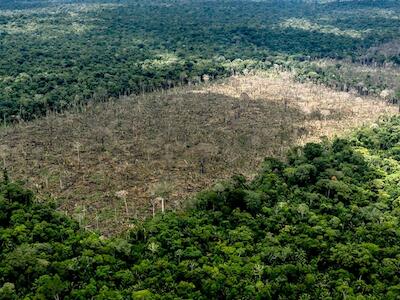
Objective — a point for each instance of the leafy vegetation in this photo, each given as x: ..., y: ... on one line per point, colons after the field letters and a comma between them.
x: 185, y: 138
x: 382, y: 81
x: 56, y: 54
x: 324, y: 224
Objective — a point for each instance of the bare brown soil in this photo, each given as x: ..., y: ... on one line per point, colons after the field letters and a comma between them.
x: 111, y: 162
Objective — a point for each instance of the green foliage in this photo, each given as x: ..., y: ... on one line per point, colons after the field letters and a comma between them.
x: 323, y: 225
x: 7, y: 292
x: 58, y: 54
x: 368, y: 77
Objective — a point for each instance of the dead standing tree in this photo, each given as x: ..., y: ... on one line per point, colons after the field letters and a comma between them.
x: 77, y: 147
x: 202, y: 152
x: 123, y: 195
x: 4, y: 150
x: 160, y: 193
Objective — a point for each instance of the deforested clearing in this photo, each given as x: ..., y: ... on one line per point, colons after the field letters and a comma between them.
x: 107, y: 163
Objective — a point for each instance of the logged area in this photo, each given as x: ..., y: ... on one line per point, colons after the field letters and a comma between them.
x: 199, y: 149
x: 323, y: 225
x: 112, y: 161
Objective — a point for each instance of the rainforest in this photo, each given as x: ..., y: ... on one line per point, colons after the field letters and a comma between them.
x: 199, y: 149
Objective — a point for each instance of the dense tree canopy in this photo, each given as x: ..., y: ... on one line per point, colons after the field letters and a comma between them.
x: 55, y: 54
x: 322, y: 225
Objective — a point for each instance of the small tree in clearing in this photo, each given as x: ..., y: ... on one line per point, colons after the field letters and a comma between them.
x: 203, y: 152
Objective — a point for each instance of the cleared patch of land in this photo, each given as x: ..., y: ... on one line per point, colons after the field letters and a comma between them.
x: 109, y: 162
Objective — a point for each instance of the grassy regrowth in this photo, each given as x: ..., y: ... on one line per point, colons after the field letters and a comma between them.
x: 114, y: 161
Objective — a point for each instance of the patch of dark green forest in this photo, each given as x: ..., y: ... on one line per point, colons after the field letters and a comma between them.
x: 383, y: 82
x: 56, y: 54
x: 324, y: 224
